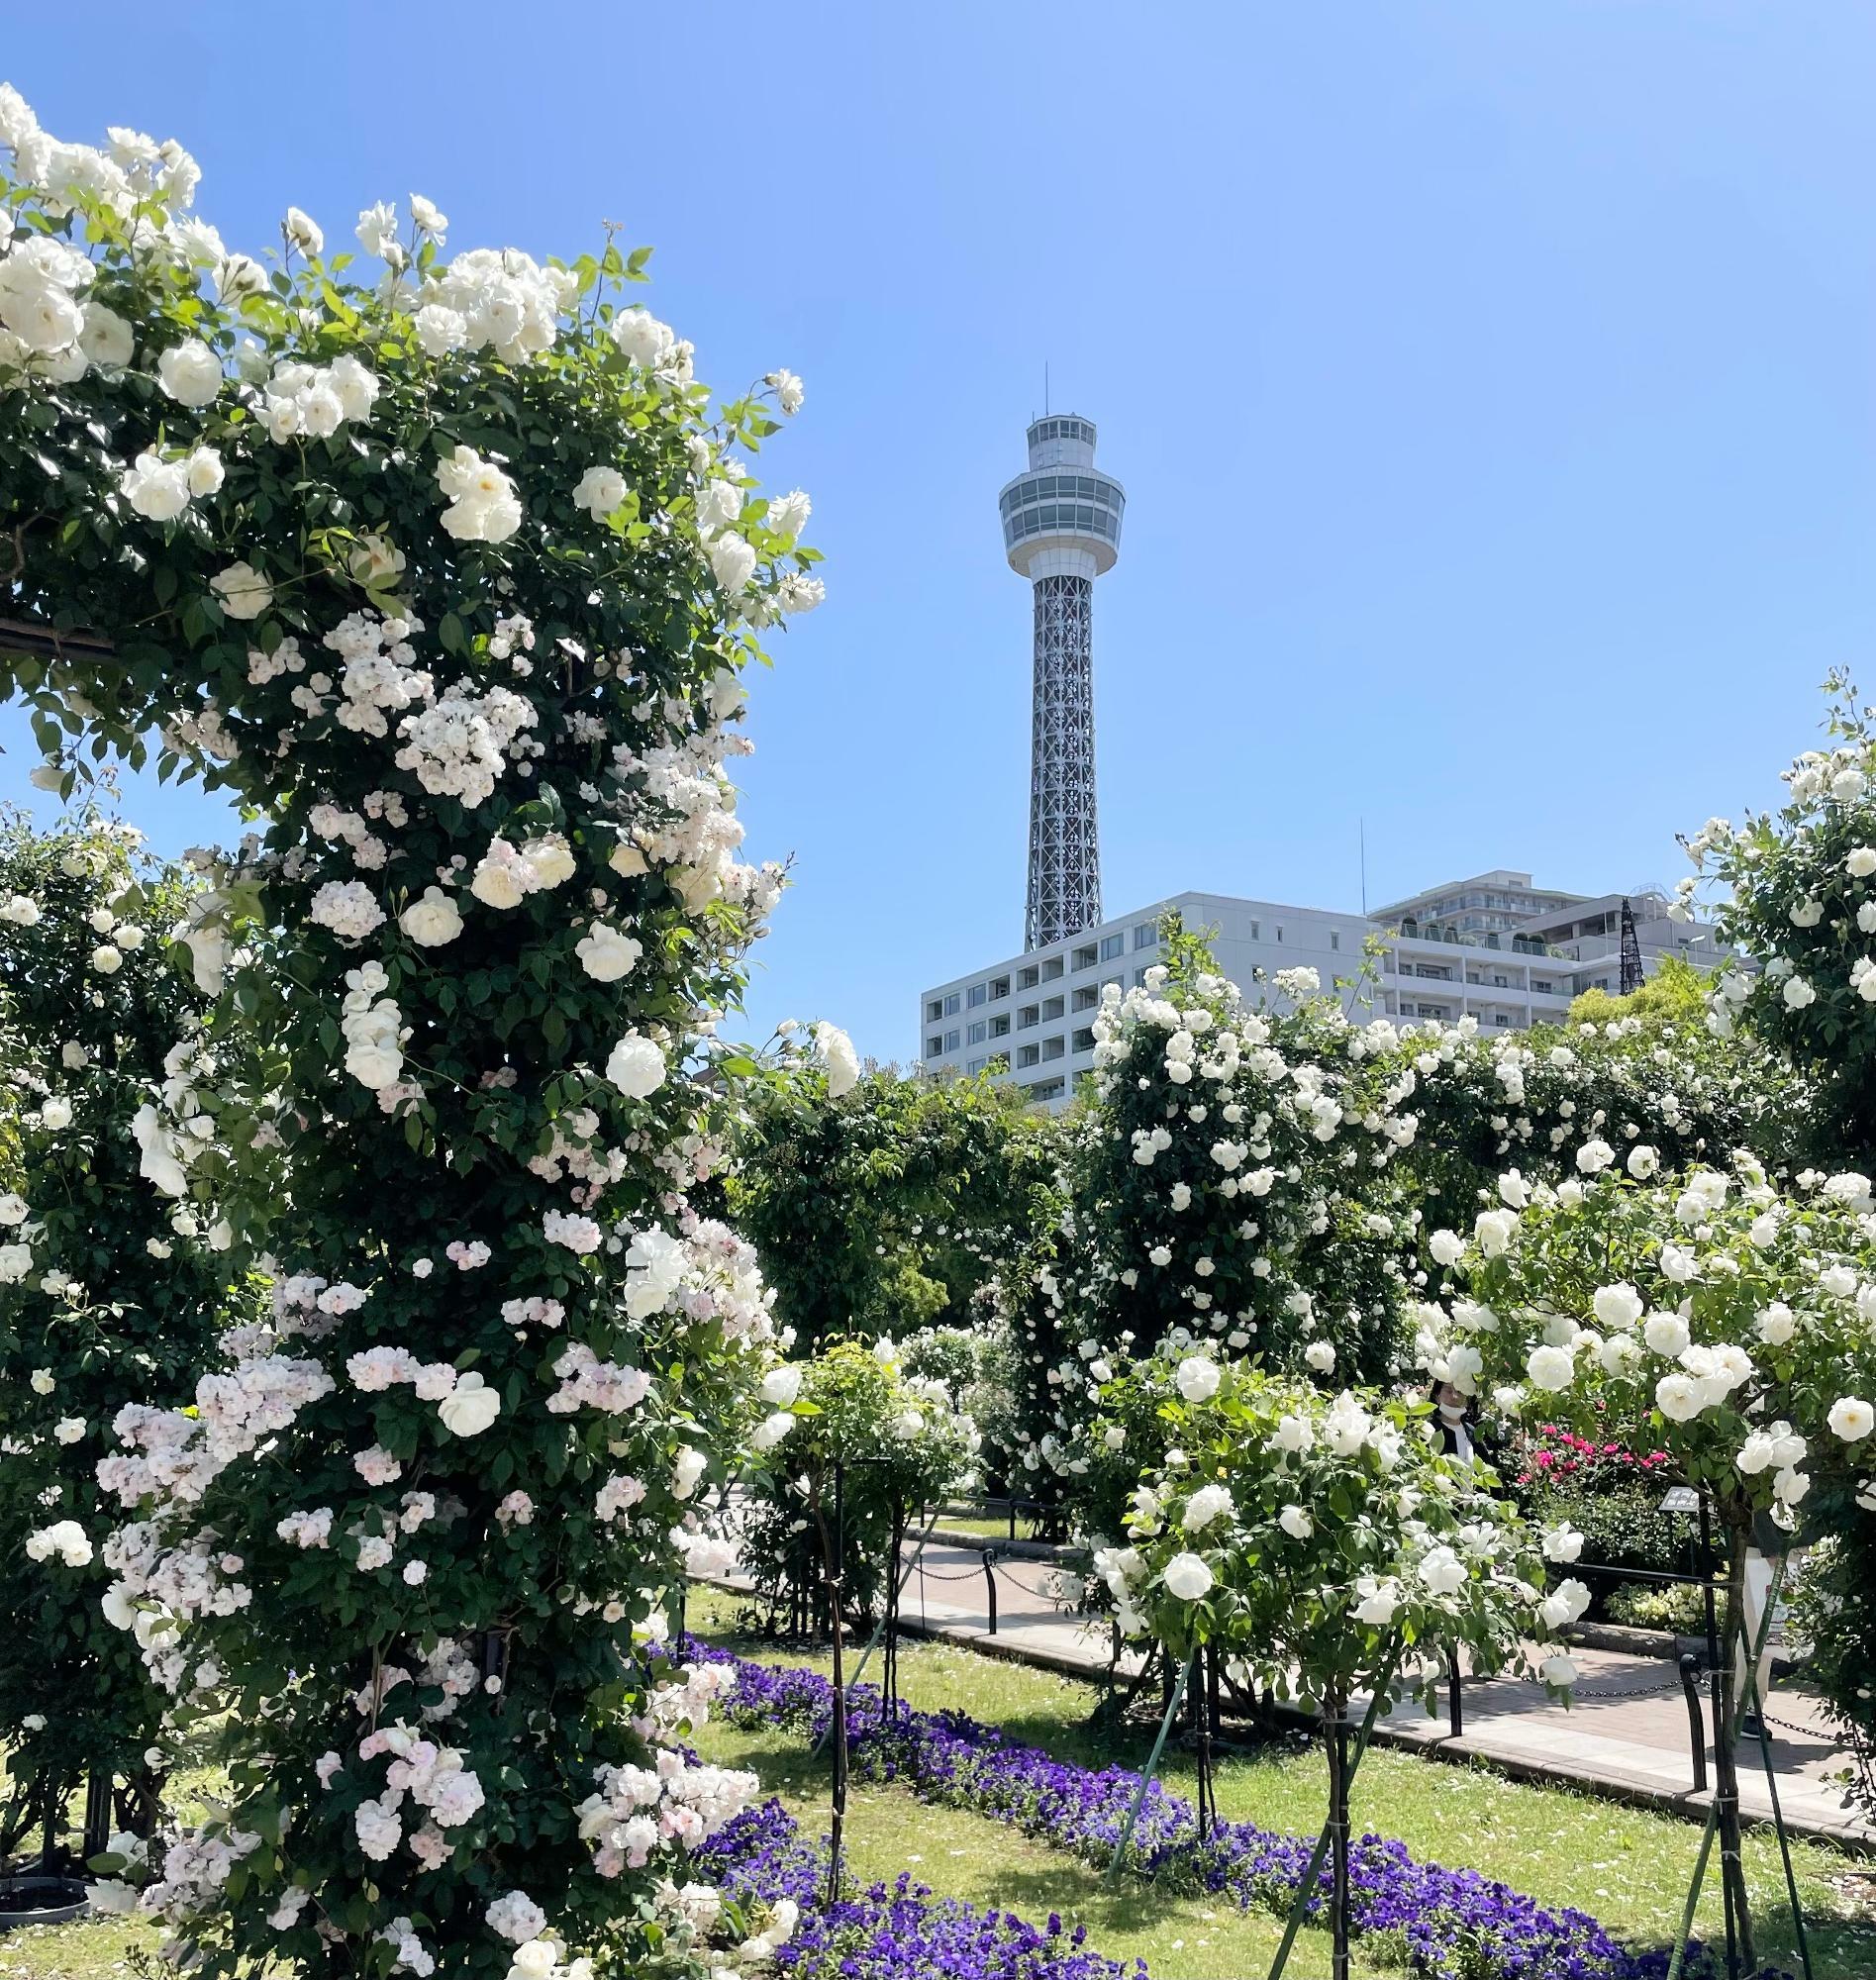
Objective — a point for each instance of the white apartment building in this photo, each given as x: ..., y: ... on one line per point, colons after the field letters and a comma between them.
x: 1493, y: 947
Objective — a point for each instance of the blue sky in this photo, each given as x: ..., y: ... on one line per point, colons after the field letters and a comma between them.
x: 1493, y: 387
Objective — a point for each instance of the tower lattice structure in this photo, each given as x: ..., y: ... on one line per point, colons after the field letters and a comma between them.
x: 1061, y: 529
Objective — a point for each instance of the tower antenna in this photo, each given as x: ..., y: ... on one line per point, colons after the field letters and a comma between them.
x: 1062, y: 528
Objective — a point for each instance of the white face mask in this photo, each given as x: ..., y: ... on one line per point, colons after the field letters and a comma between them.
x: 1452, y: 1412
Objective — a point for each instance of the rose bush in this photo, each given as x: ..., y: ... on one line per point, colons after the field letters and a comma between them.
x: 1222, y: 1185
x: 108, y: 1295
x: 878, y: 1200
x: 1306, y: 1535
x: 899, y: 1441
x: 448, y: 569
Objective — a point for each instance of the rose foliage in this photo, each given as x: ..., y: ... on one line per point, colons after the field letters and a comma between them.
x: 107, y: 1294
x: 446, y: 568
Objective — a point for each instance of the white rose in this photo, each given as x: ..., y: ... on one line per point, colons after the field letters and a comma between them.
x: 190, y: 373
x: 1442, y: 1571
x: 106, y: 338
x: 431, y: 921
x: 1860, y: 861
x: 1680, y: 1398
x: 599, y: 491
x: 1552, y: 1368
x: 1197, y: 1378
x: 636, y: 1067
x: 1379, y: 1600
x: 1207, y: 1503
x: 155, y: 489
x: 205, y: 471
x: 470, y: 1407
x: 772, y: 1430
x: 496, y: 883
x: 1296, y: 1523
x: 1617, y: 1305
x: 607, y: 953
x: 549, y: 862
x: 781, y: 1386
x: 626, y: 860
x: 1559, y: 1672
x: 1187, y: 1577
x: 1447, y: 1247
x: 1666, y: 1334
x: 242, y: 591
x: 106, y: 959
x: 1851, y: 1417
x: 1562, y: 1543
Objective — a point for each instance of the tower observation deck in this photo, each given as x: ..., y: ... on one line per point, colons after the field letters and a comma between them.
x: 1062, y: 528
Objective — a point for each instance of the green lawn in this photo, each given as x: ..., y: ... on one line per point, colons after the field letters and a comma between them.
x: 1628, y: 1866
x: 1625, y: 1865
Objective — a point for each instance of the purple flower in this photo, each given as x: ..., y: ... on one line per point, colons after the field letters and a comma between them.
x: 1446, y: 1922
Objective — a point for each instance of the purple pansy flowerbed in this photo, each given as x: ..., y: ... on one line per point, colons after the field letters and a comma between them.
x: 896, y: 1931
x: 1453, y: 1925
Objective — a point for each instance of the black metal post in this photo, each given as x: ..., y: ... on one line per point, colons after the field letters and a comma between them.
x: 990, y: 1585
x: 1456, y: 1709
x: 835, y: 1558
x: 97, y: 1832
x: 1338, y: 1840
x: 1695, y: 1725
x: 889, y: 1653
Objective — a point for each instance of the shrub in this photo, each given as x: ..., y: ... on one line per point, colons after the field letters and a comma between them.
x: 450, y: 571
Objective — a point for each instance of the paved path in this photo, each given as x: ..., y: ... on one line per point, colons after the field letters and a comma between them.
x: 1627, y: 1734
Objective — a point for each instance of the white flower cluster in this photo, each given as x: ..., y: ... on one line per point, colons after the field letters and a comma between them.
x: 494, y: 299
x: 637, y: 1811
x: 372, y: 1027
x: 312, y: 401
x: 460, y: 745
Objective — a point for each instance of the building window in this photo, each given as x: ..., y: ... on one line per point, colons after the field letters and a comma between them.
x: 1334, y: 939
x: 1051, y: 1008
x: 1086, y: 998
x: 934, y: 1047
x: 934, y: 1010
x: 1256, y: 932
x: 1542, y: 983
x: 1084, y: 1039
x: 979, y: 993
x: 1027, y: 979
x: 1052, y: 969
x: 1045, y: 1089
x: 1000, y: 1025
x: 1026, y: 1056
x: 1279, y: 930
x: 1027, y: 1016
x: 1139, y: 979
x: 975, y: 1036
x: 950, y: 1042
x: 1145, y: 934
x: 1053, y: 1047
x: 1111, y: 946
x: 950, y: 1005
x: 999, y: 987
x: 1501, y: 1021
x: 1086, y: 958
x: 974, y: 1068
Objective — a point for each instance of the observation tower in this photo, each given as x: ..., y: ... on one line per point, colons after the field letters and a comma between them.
x: 1062, y: 528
